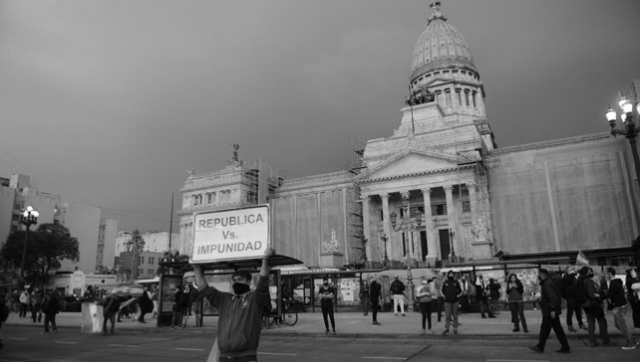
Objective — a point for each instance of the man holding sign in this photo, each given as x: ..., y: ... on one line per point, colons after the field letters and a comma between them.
x: 240, y: 312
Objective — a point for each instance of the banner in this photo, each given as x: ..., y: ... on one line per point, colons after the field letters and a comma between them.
x: 581, y: 259
x: 230, y: 235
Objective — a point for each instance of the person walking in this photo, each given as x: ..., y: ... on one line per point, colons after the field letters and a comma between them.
x: 109, y: 312
x: 397, y: 290
x: 494, y: 295
x: 364, y: 297
x: 178, y: 308
x: 50, y: 309
x: 37, y: 297
x: 569, y: 291
x: 550, y: 306
x: 145, y: 304
x: 451, y: 291
x: 465, y: 303
x: 15, y: 301
x: 440, y: 298
x: 616, y: 297
x: 515, y: 290
x: 425, y: 294
x: 240, y: 312
x: 327, y: 293
x: 25, y: 297
x: 633, y: 295
x: 592, y: 306
x: 482, y: 298
x: 375, y: 296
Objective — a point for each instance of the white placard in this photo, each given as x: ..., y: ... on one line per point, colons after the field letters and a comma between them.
x: 230, y: 235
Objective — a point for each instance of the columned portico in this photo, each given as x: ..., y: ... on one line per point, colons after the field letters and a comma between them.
x: 366, y: 226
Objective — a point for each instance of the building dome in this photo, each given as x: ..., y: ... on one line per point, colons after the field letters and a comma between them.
x: 441, y: 46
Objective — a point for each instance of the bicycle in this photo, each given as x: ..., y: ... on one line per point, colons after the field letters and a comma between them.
x: 289, y: 315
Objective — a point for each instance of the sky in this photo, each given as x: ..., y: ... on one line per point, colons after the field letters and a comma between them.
x: 108, y: 103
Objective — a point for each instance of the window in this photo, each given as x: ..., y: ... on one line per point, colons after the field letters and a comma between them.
x: 381, y: 215
x: 141, y: 260
x: 152, y: 260
x: 466, y: 97
x: 466, y: 206
x: 150, y: 271
x: 439, y: 209
x: 15, y: 217
x: 404, y: 245
x: 447, y: 94
x: 459, y: 97
x: 473, y: 96
x: 140, y: 272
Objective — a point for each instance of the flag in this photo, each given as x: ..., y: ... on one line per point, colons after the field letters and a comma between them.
x: 581, y: 259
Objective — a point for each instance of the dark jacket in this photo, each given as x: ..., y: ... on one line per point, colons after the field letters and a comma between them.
x: 239, y: 318
x: 615, y: 293
x: 630, y: 294
x: 569, y: 286
x: 374, y: 292
x: 50, y: 304
x: 397, y: 287
x: 592, y: 289
x: 515, y: 292
x: 494, y: 290
x: 451, y: 289
x: 111, y: 306
x: 329, y: 289
x: 550, y: 299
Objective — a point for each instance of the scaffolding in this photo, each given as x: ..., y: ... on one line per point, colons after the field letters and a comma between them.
x: 264, y: 180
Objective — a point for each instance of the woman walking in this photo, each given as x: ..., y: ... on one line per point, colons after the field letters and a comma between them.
x: 425, y: 293
x: 633, y: 295
x: 50, y: 309
x: 516, y: 303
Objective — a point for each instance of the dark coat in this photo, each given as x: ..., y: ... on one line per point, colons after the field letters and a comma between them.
x: 615, y: 293
x: 569, y: 286
x: 397, y: 287
x: 451, y: 289
x: 375, y: 292
x: 50, y: 304
x: 494, y: 290
x: 550, y: 299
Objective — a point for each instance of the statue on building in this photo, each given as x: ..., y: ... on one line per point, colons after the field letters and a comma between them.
x: 235, y: 152
x: 419, y: 96
x: 331, y: 245
x: 479, y: 230
x: 191, y: 172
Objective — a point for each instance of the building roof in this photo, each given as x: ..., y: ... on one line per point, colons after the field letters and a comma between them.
x: 441, y: 46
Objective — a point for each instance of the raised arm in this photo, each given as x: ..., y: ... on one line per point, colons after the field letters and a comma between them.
x: 201, y: 282
x: 264, y: 270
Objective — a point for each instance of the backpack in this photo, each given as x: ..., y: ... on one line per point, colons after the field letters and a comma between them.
x: 581, y: 292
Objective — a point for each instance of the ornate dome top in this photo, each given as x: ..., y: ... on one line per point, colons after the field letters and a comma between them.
x: 440, y: 46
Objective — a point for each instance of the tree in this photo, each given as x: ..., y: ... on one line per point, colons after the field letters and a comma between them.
x: 47, y: 246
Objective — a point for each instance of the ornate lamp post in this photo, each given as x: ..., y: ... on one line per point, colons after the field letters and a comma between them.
x: 135, y: 245
x: 408, y: 224
x: 452, y: 255
x: 28, y: 217
x: 629, y: 128
x: 385, y: 262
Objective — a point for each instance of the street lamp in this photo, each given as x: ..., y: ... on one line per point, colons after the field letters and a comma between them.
x: 408, y: 224
x: 135, y: 245
x: 629, y: 128
x: 452, y: 255
x: 28, y: 217
x: 385, y: 238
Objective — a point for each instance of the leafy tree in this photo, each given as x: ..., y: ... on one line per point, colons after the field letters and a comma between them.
x: 47, y: 246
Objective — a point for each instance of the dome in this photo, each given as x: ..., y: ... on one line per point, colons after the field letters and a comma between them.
x: 441, y: 46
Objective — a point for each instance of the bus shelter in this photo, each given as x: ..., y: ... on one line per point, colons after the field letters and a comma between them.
x: 218, y: 275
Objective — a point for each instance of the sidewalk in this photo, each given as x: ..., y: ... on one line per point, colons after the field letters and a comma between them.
x: 352, y: 325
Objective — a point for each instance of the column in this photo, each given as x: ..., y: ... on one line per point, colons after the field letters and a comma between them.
x: 472, y: 206
x: 345, y: 216
x: 432, y: 253
x: 366, y: 225
x: 386, y: 224
x: 451, y: 207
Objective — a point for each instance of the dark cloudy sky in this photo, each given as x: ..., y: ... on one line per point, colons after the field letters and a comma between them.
x: 109, y: 102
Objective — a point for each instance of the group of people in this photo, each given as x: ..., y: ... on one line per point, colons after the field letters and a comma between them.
x: 584, y: 293
x: 39, y: 303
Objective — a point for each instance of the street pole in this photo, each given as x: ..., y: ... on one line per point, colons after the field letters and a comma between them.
x: 24, y: 252
x: 28, y: 217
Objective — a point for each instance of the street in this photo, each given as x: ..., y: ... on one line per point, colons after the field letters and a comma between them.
x: 27, y: 344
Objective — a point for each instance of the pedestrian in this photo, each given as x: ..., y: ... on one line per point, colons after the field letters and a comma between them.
x: 154, y: 299
x: 178, y: 308
x: 515, y: 290
x: 25, y: 297
x: 50, y: 307
x: 35, y: 305
x: 327, y: 293
x: 145, y: 304
x: 111, y: 308
x: 4, y: 315
x: 375, y: 295
x: 364, y: 297
x: 197, y: 307
x: 550, y: 305
x: 592, y: 305
x: 633, y: 295
x: 15, y: 301
x: 482, y: 298
x: 569, y: 291
x: 440, y: 300
x: 397, y: 290
x: 616, y: 297
x: 425, y: 294
x: 494, y: 295
x: 452, y: 291
x: 464, y: 299
x: 240, y: 312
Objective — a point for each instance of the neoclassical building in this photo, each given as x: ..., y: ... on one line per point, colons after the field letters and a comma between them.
x: 467, y: 200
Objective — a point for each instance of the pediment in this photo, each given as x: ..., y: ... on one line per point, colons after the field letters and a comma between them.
x: 411, y: 162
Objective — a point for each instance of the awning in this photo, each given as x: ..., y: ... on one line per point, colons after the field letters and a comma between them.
x: 274, y: 260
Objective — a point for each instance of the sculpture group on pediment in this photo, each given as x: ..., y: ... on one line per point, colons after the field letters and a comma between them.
x: 419, y: 96
x: 332, y: 245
